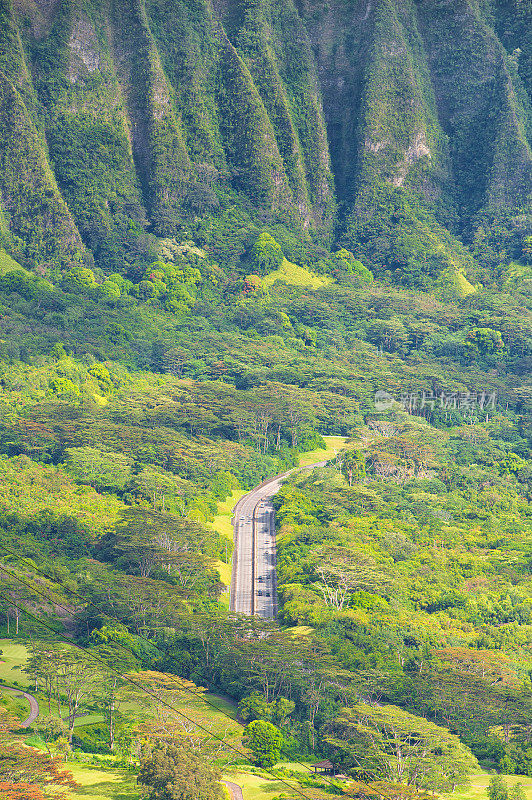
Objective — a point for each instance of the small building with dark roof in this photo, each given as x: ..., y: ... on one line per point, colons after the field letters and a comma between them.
x: 324, y: 768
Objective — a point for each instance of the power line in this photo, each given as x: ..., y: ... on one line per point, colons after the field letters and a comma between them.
x: 98, y: 608
x: 116, y: 619
x: 142, y: 688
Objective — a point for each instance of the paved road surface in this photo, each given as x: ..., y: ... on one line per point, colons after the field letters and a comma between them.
x: 254, y: 576
x: 34, y: 705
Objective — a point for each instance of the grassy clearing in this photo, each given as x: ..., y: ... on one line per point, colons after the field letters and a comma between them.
x: 299, y: 630
x: 296, y: 276
x: 16, y: 707
x: 480, y: 781
x: 12, y: 657
x: 225, y: 705
x: 222, y: 523
x: 98, y: 784
x: 222, y: 520
x: 263, y: 787
x: 216, y: 713
x: 334, y: 443
x: 88, y: 719
x: 255, y: 787
x: 220, y: 722
x: 8, y: 264
x: 224, y: 571
x: 517, y: 272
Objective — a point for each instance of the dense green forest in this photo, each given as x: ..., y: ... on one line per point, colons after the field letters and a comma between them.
x: 227, y: 231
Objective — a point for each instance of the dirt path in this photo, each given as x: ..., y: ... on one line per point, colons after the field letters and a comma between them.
x: 34, y: 705
x: 234, y: 790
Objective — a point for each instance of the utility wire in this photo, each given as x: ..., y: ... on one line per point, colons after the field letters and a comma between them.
x: 116, y: 619
x: 142, y: 688
x: 99, y: 609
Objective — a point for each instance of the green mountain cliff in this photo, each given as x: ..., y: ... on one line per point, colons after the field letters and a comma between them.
x: 236, y: 237
x: 401, y: 129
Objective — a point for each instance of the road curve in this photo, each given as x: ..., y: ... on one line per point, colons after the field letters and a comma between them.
x: 234, y: 790
x: 34, y: 705
x: 254, y: 574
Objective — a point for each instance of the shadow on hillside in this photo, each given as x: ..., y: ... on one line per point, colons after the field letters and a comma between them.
x: 108, y: 790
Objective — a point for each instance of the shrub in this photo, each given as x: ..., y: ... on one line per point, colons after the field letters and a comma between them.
x: 266, y: 254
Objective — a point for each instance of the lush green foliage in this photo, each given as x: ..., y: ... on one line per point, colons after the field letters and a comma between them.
x: 177, y: 773
x: 164, y: 118
x: 193, y: 311
x: 264, y: 741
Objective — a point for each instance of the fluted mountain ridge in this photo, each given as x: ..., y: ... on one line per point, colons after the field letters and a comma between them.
x: 401, y: 129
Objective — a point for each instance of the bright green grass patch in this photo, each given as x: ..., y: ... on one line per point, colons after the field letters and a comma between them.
x: 8, y: 264
x: 227, y: 506
x: 88, y: 719
x: 225, y: 705
x: 296, y: 276
x: 333, y: 445
x: 262, y: 787
x: 98, y: 784
x: 35, y: 741
x: 16, y: 707
x: 13, y: 656
x: 462, y: 286
x: 518, y: 272
x: 225, y: 599
x: 224, y: 571
x: 479, y: 784
x: 219, y: 722
x: 300, y: 630
x: 222, y: 523
x: 255, y: 787
x: 216, y: 713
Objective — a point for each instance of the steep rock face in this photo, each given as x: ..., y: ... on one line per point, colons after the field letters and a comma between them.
x: 428, y: 123
x: 276, y: 49
x: 379, y: 102
x: 243, y: 73
x: 150, y: 111
x: 479, y: 107
x: 31, y: 204
x: 403, y: 126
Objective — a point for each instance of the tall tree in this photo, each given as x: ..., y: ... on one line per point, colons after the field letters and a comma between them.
x: 173, y: 771
x: 26, y: 773
x: 385, y: 742
x: 265, y: 741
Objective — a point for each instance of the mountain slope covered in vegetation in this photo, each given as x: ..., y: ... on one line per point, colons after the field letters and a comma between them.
x: 227, y: 230
x: 399, y: 129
